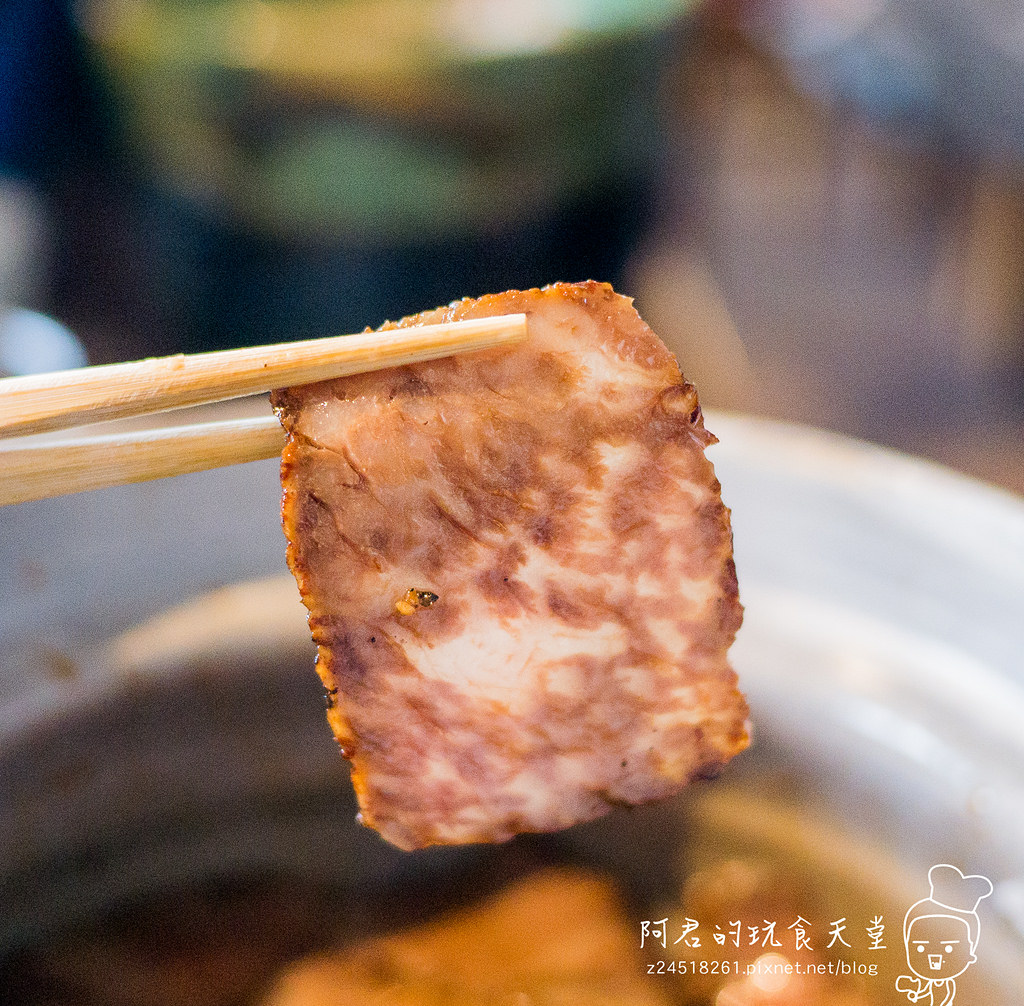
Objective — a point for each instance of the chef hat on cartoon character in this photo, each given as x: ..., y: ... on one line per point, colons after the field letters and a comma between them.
x: 952, y: 894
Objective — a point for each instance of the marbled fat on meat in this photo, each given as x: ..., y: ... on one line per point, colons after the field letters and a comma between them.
x: 555, y: 502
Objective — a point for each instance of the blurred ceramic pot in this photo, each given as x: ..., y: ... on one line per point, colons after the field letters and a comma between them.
x: 148, y: 738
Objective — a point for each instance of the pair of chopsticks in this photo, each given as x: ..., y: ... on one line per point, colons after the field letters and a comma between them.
x: 36, y: 468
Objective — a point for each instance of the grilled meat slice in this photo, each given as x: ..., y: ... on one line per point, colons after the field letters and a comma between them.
x: 519, y: 574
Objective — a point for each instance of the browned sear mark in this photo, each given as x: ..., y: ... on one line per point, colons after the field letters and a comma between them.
x: 413, y: 600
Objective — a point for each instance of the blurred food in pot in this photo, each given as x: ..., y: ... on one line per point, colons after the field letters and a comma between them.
x: 559, y: 936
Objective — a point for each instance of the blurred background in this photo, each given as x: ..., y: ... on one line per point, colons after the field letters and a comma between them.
x: 818, y: 204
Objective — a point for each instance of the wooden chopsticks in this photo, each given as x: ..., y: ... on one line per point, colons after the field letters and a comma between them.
x: 38, y: 468
x: 59, y: 467
x: 43, y: 402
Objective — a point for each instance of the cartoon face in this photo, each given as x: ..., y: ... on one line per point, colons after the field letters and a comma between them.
x: 939, y: 947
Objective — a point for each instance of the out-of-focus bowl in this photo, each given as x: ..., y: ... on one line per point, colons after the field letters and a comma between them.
x: 148, y: 739
x: 382, y: 121
x: 300, y: 166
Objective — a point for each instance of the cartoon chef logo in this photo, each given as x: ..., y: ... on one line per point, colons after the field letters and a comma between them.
x: 941, y: 934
